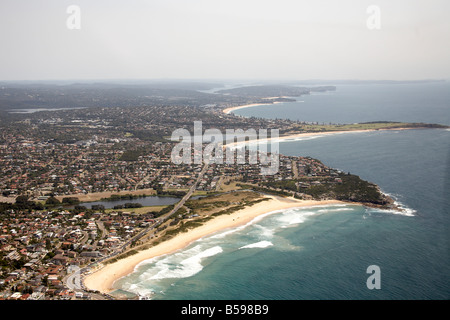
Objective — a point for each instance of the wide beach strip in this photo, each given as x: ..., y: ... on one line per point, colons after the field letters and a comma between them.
x: 103, y: 279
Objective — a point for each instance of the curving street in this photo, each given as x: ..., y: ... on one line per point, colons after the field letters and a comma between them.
x: 74, y: 280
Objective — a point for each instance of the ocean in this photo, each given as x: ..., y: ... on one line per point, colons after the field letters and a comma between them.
x: 323, y: 253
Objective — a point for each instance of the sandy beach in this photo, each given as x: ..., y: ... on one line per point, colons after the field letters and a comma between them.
x: 104, y: 278
x: 300, y: 135
x: 307, y: 134
x: 228, y: 110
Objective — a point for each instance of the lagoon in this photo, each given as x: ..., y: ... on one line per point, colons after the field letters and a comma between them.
x: 145, y: 201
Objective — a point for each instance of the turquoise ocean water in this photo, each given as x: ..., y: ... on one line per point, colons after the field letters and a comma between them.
x: 324, y: 252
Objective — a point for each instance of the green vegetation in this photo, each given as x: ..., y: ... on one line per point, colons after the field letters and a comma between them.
x: 344, y: 187
x: 148, y: 136
x: 265, y: 190
x: 22, y: 203
x: 131, y: 155
x: 170, y: 193
x: 128, y: 196
x: 52, y: 201
x: 185, y: 226
x: 128, y: 205
x: 164, y: 211
x: 352, y: 188
x: 121, y: 256
x: 207, y: 210
x: 375, y: 125
x: 98, y: 207
x: 70, y: 201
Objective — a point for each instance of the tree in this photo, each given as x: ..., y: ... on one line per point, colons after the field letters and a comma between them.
x: 45, y: 281
x: 48, y: 244
x: 52, y: 201
x: 98, y: 207
x: 78, y: 209
x: 70, y: 200
x: 22, y: 200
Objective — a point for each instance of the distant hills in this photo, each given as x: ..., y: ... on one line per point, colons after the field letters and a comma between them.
x: 125, y: 93
x: 265, y: 91
x: 36, y: 95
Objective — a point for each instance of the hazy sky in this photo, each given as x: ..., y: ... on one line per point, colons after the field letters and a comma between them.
x: 234, y: 39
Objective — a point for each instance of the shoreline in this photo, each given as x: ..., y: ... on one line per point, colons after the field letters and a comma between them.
x: 104, y: 278
x: 309, y: 134
x: 231, y: 109
x: 304, y: 134
x: 100, y: 196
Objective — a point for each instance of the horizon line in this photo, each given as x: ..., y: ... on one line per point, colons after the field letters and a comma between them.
x: 222, y: 80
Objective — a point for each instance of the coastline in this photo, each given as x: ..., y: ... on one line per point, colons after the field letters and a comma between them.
x: 231, y: 109
x: 309, y: 134
x: 300, y: 135
x: 99, y: 196
x: 104, y: 278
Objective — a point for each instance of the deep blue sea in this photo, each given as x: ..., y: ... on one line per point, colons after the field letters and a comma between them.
x: 324, y: 252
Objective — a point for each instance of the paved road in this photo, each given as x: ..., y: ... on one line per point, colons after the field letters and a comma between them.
x: 179, y: 204
x: 73, y: 280
x: 190, y: 192
x: 146, y: 177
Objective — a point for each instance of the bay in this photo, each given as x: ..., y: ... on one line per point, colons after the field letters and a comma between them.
x: 323, y: 253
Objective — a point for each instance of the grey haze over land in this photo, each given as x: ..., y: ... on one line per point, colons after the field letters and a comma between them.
x: 232, y: 39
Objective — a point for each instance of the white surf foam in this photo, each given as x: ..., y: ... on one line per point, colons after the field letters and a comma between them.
x: 263, y: 232
x: 260, y: 244
x: 293, y: 217
x: 405, y: 210
x: 335, y: 210
x: 253, y: 221
x: 188, y: 262
x: 185, y: 268
x: 254, y: 143
x: 332, y: 205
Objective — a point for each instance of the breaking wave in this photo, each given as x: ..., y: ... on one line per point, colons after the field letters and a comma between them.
x: 180, y: 265
x: 261, y: 244
x: 405, y: 210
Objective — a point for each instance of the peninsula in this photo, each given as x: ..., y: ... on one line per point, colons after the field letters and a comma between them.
x: 111, y: 142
